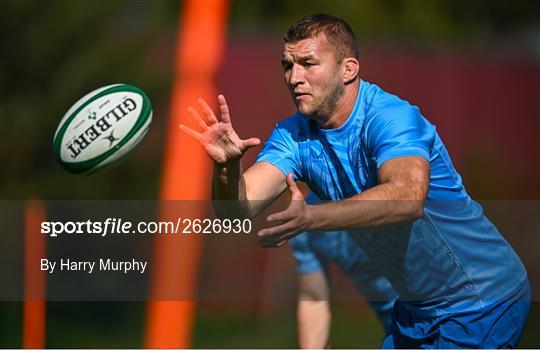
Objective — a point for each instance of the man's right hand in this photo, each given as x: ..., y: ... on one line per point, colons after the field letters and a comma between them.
x: 218, y: 138
x: 255, y: 188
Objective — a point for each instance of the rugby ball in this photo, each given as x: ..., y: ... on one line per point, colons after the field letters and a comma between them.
x: 102, y: 128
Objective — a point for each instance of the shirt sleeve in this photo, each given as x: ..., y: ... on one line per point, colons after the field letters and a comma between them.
x: 281, y: 151
x: 307, y: 261
x: 399, y: 131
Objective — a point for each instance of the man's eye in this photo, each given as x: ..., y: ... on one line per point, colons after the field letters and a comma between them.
x: 309, y: 64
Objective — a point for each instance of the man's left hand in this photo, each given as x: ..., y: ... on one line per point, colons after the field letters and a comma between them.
x: 290, y: 222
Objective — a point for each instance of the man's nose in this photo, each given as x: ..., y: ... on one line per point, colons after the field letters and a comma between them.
x: 296, y: 76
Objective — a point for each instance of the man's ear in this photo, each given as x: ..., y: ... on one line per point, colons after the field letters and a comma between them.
x: 350, y: 69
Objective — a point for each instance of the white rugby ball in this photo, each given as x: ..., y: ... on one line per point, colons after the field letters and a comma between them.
x: 102, y: 128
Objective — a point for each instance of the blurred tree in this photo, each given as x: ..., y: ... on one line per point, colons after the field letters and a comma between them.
x: 459, y: 23
x: 55, y: 52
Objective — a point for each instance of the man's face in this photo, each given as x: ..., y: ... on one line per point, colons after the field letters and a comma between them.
x: 313, y: 75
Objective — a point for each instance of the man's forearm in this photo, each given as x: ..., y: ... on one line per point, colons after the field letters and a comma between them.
x: 229, y: 190
x: 400, y: 196
x: 226, y: 182
x: 374, y: 208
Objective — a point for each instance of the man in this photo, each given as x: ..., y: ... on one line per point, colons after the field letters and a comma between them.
x: 313, y: 252
x: 388, y: 180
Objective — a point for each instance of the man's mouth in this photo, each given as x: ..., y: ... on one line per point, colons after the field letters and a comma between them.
x: 300, y: 95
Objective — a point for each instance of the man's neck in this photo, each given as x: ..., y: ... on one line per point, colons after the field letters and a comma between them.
x: 344, y: 108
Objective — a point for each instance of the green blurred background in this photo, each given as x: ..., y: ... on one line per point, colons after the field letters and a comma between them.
x: 53, y: 52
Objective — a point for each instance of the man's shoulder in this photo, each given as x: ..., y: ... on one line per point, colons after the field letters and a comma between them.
x: 380, y: 103
x: 383, y: 110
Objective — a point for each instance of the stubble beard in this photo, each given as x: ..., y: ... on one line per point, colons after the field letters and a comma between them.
x: 328, y: 102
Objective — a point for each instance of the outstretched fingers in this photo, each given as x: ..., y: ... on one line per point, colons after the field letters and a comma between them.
x: 198, y: 119
x: 196, y: 135
x: 224, y: 109
x: 208, y: 113
x: 252, y: 142
x: 276, y: 231
x: 270, y: 242
x: 282, y: 216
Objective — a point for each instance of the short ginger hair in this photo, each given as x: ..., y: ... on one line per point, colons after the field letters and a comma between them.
x: 338, y: 33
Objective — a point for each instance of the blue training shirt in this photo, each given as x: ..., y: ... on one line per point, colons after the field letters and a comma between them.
x: 314, y: 251
x: 453, y: 253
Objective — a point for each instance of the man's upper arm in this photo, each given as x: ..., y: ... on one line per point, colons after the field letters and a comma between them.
x: 411, y: 173
x: 401, y: 140
x: 399, y: 130
x: 264, y: 183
